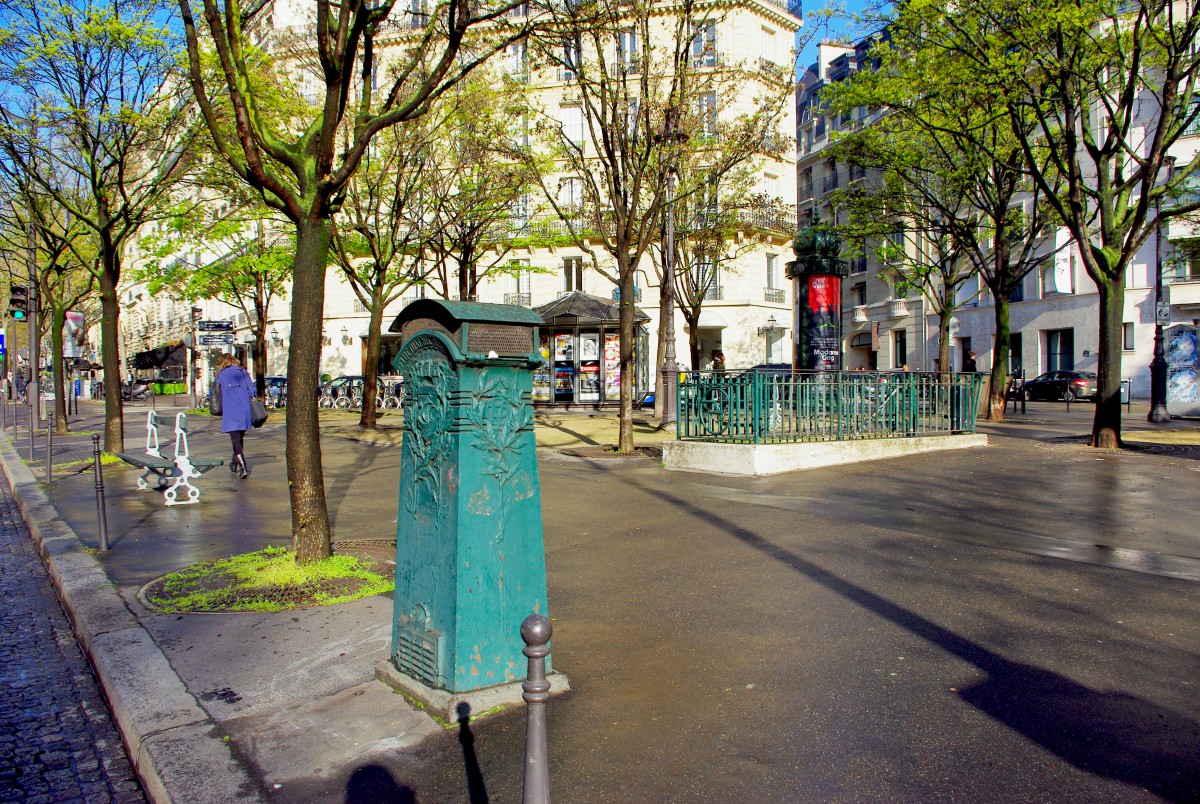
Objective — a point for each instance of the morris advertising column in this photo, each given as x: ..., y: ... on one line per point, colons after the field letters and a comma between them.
x: 817, y: 273
x: 470, y: 562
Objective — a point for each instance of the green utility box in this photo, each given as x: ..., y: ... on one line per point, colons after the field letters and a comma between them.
x: 470, y: 561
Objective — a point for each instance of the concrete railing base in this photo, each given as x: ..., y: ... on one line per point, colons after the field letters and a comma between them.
x: 772, y: 459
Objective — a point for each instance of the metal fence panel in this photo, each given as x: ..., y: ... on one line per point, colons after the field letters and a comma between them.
x: 759, y: 407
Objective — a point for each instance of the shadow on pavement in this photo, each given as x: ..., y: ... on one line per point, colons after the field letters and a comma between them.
x: 373, y: 784
x: 476, y: 789
x: 1113, y: 735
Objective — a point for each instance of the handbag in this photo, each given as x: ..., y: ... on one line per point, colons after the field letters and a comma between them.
x: 258, y: 412
x: 214, y: 399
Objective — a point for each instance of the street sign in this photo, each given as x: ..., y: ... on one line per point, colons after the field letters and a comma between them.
x: 216, y: 339
x: 214, y: 326
x: 1162, y: 314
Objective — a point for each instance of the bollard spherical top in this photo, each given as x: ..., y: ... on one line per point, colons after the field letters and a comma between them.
x: 536, y: 630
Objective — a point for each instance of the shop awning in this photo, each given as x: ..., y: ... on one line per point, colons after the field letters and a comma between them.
x: 162, y: 357
x: 578, y: 307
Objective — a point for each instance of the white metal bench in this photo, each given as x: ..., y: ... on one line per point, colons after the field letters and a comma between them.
x: 181, y: 470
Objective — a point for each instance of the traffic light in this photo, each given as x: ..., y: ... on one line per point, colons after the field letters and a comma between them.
x: 18, y: 302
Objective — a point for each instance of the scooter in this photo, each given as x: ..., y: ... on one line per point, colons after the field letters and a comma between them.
x: 137, y: 392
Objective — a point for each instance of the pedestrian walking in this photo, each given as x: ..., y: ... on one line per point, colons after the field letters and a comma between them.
x: 236, y: 390
x: 719, y: 361
x: 969, y: 364
x: 19, y: 382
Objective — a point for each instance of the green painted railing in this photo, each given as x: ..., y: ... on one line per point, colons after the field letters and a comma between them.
x: 771, y: 407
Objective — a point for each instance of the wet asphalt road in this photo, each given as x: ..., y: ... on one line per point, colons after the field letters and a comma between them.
x: 980, y: 625
x: 57, y: 739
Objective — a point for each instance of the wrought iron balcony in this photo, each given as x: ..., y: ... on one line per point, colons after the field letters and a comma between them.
x: 774, y: 295
x: 522, y: 299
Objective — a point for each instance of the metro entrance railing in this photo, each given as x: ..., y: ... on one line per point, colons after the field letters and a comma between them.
x: 780, y: 406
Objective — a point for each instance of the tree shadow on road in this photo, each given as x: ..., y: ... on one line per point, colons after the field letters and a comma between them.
x: 1109, y: 734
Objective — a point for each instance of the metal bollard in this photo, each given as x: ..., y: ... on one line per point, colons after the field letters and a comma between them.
x: 50, y: 447
x: 536, y: 630
x: 31, y: 407
x: 101, y: 514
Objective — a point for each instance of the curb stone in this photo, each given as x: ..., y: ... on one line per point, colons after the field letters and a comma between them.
x: 179, y: 753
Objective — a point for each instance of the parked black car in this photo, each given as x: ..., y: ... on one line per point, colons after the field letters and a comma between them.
x: 1065, y: 385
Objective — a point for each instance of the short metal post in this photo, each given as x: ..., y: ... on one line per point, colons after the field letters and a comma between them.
x: 32, y: 406
x: 50, y: 444
x: 536, y: 630
x: 101, y: 514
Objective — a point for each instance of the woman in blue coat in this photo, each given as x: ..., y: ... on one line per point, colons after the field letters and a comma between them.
x: 236, y: 391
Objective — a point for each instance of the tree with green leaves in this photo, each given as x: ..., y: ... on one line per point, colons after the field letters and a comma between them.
x: 1096, y: 93
x: 65, y: 260
x: 84, y: 119
x: 911, y: 238
x: 297, y: 161
x: 253, y: 266
x: 951, y: 167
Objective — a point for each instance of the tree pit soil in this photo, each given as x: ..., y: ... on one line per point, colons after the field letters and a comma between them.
x: 379, y: 557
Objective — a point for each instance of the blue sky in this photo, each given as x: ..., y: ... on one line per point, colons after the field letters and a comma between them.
x: 838, y: 27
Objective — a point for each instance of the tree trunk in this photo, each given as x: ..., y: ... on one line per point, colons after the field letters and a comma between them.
x: 306, y: 481
x: 694, y: 343
x: 59, y: 318
x: 1106, y: 427
x: 368, y: 418
x: 944, y: 343
x: 114, y: 429
x: 660, y: 352
x: 1000, y: 307
x: 628, y: 366
x: 260, y: 361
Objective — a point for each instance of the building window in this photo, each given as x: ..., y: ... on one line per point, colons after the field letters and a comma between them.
x: 1018, y: 293
x: 775, y: 346
x: 1060, y: 349
x: 708, y: 281
x: 706, y: 113
x: 517, y: 60
x: 900, y: 351
x: 572, y: 273
x: 627, y: 50
x: 1127, y: 336
x: 1016, y: 363
x: 858, y: 265
x: 858, y: 293
x: 768, y: 45
x: 770, y: 186
x: 704, y: 44
x: 772, y: 271
x: 572, y: 123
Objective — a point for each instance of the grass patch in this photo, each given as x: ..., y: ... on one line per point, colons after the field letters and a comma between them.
x: 108, y: 460
x: 268, y: 580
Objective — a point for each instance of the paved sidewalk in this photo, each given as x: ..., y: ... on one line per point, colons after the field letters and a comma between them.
x: 1014, y: 622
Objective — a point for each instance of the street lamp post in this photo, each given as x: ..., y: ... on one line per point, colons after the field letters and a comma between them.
x: 670, y: 371
x: 1158, y: 364
x: 674, y: 139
